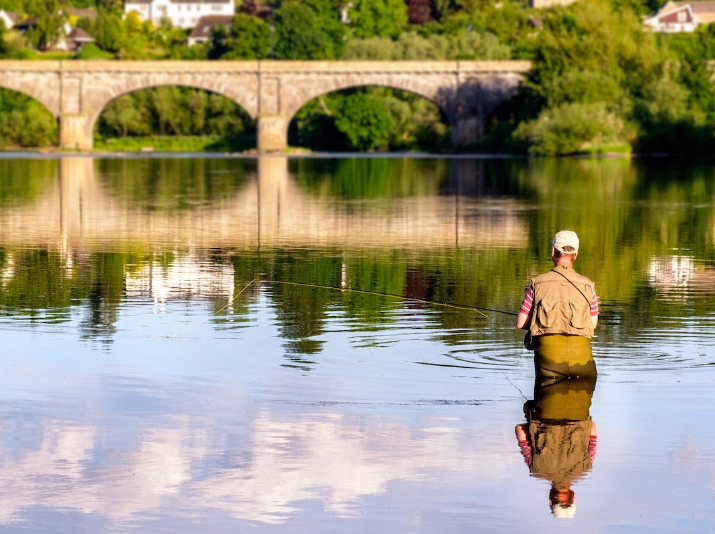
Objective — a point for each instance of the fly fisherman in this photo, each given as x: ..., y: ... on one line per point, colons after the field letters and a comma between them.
x: 560, y: 312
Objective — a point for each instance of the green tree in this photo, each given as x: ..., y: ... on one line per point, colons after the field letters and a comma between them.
x: 3, y: 35
x: 124, y: 117
x: 591, y: 36
x: 384, y: 18
x: 250, y: 38
x: 50, y: 19
x: 12, y: 5
x: 109, y: 31
x: 304, y: 32
x: 572, y: 129
x: 365, y: 122
x: 132, y: 23
x: 218, y: 42
x: 166, y: 102
x: 113, y: 6
x: 25, y: 122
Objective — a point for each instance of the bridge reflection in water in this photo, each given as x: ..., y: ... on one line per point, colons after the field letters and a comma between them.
x: 81, y: 214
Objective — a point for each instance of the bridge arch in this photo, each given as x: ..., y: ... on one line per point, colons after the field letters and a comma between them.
x: 301, y: 94
x: 29, y: 123
x: 438, y: 119
x: 241, y: 112
x: 46, y: 92
x: 98, y: 102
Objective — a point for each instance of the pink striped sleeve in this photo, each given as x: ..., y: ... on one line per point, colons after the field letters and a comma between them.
x: 528, y: 301
x: 594, y: 305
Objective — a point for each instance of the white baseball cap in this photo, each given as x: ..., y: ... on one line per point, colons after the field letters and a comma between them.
x: 565, y: 238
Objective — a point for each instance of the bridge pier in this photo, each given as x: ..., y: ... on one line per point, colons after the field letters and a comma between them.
x: 75, y: 133
x: 467, y: 130
x: 272, y: 133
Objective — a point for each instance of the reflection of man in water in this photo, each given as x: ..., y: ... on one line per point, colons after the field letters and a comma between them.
x: 558, y: 441
x: 560, y: 311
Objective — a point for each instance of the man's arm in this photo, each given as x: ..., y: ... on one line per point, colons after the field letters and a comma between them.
x: 594, y: 310
x: 523, y: 318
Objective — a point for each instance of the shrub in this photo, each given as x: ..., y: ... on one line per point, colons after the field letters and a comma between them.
x: 571, y: 129
x: 92, y: 51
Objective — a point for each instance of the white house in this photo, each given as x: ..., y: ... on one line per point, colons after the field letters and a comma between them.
x: 681, y: 16
x: 181, y: 13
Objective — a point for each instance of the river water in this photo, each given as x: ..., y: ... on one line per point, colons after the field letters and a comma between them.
x: 233, y: 345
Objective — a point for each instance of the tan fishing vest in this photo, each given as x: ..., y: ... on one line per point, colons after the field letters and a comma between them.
x: 560, y: 452
x: 562, y: 303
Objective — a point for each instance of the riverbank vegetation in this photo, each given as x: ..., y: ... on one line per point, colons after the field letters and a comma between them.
x: 600, y: 82
x: 174, y: 118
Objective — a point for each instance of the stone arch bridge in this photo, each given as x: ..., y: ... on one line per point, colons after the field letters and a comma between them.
x: 271, y: 92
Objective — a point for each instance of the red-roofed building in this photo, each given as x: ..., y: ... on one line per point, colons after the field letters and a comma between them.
x: 681, y: 16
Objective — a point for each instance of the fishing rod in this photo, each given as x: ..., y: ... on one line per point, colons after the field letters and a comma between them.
x: 258, y: 279
x: 477, y: 309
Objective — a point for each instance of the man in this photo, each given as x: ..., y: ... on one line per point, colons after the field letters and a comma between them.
x: 560, y: 311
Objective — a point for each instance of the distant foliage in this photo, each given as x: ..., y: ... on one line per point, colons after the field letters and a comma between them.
x: 24, y: 122
x: 371, y: 118
x: 50, y: 17
x: 381, y: 18
x: 250, y: 38
x: 172, y: 111
x: 308, y: 29
x: 412, y: 46
x: 3, y: 42
x: 599, y: 79
x: 92, y: 51
x: 365, y: 122
x: 572, y: 129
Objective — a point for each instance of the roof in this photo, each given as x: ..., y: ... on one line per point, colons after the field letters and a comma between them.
x: 697, y: 7
x: 202, y: 30
x: 79, y: 35
x: 26, y: 23
x: 88, y: 12
x: 704, y: 11
x: 14, y: 16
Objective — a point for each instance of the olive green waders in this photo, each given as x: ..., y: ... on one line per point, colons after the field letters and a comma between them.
x: 559, y: 356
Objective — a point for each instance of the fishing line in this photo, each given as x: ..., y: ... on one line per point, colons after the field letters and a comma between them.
x: 222, y: 308
x: 477, y: 309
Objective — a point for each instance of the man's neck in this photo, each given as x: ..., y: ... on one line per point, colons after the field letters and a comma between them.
x: 565, y: 264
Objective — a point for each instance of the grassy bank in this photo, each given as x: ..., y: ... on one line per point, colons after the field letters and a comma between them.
x: 209, y: 143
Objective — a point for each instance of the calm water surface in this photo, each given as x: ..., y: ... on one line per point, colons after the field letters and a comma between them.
x: 164, y: 371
